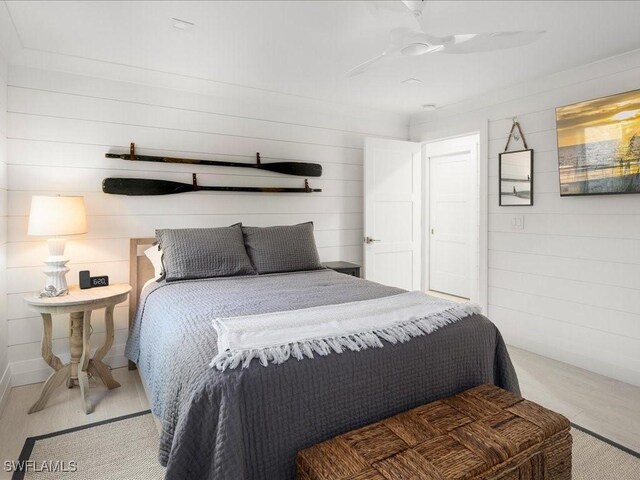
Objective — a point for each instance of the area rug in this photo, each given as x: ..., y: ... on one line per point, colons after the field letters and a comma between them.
x: 115, y: 449
x: 598, y: 458
x: 127, y: 448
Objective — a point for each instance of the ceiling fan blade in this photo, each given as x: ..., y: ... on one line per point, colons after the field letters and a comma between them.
x: 363, y: 67
x: 398, y: 36
x: 487, y: 42
x: 394, y: 12
x: 416, y: 7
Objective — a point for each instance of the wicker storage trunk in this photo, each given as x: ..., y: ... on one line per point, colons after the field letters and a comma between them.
x: 483, y: 433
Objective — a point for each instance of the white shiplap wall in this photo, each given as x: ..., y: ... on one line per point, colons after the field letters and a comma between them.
x: 568, y: 285
x: 4, y: 365
x: 61, y: 125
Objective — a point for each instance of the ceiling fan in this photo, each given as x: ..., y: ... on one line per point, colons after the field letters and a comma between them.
x: 413, y: 43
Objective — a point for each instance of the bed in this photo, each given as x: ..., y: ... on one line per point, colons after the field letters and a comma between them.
x: 248, y: 424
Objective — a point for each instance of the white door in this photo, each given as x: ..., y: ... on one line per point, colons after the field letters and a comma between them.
x: 452, y: 223
x: 392, y: 213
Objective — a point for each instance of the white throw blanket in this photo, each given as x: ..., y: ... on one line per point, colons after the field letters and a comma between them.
x: 275, y: 337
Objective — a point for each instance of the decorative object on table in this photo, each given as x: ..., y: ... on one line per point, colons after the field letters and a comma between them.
x: 84, y: 279
x: 87, y: 281
x: 301, y: 169
x: 344, y: 267
x: 599, y: 145
x: 78, y: 304
x: 100, y: 281
x: 146, y: 186
x: 56, y: 217
x: 515, y: 172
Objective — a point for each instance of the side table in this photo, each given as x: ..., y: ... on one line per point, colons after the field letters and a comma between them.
x: 344, y: 267
x: 78, y: 304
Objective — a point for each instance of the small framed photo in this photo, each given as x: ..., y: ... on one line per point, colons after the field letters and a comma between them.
x: 515, y: 177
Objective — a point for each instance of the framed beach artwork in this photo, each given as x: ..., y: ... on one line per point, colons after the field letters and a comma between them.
x: 515, y: 176
x: 599, y: 145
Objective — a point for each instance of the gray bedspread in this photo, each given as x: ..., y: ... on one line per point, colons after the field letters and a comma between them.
x: 248, y: 424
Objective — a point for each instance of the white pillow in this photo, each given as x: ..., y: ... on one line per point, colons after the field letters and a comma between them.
x: 154, y: 254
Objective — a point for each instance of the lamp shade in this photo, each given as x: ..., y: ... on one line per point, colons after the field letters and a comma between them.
x: 53, y: 216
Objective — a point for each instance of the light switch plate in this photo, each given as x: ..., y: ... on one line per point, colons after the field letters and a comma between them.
x: 517, y: 222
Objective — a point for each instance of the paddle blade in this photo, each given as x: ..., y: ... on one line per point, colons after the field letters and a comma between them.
x: 143, y: 186
x: 489, y: 42
x: 293, y: 168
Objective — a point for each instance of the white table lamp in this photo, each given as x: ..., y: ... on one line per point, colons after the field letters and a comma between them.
x: 56, y: 217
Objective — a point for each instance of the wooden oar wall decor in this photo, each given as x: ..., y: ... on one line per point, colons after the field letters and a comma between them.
x: 147, y: 186
x: 300, y: 169
x: 142, y: 186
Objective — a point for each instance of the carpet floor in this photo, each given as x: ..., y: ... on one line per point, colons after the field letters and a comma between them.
x: 127, y: 448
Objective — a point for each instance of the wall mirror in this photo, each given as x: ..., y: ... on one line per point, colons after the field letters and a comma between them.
x: 515, y: 176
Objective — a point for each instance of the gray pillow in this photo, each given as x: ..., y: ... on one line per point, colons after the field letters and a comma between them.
x: 284, y: 248
x: 190, y: 253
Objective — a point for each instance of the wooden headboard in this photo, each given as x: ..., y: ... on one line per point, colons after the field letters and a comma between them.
x: 140, y: 270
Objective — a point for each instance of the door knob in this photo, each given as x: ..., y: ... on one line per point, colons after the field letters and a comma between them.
x: 369, y: 240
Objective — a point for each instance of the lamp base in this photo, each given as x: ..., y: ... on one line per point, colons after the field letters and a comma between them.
x: 56, y: 270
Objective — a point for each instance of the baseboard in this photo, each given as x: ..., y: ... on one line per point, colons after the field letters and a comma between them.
x: 5, y: 387
x: 36, y: 371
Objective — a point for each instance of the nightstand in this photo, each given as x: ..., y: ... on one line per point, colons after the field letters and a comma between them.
x: 78, y: 304
x: 344, y: 267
